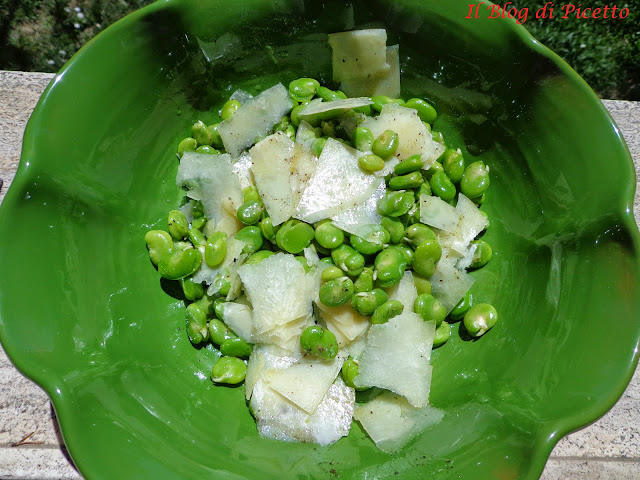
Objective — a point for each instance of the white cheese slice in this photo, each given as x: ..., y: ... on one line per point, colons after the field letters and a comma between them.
x: 304, y: 164
x: 449, y: 285
x: 362, y: 219
x: 405, y: 291
x: 307, y: 381
x: 386, y: 83
x: 254, y: 119
x: 337, y: 185
x: 210, y: 179
x: 340, y: 105
x: 392, y: 422
x: 272, y: 165
x: 437, y: 213
x: 263, y: 358
x: 397, y: 357
x: 279, y: 419
x: 413, y: 136
x: 350, y: 323
x: 358, y: 54
x: 208, y: 274
x: 278, y: 290
x: 238, y: 318
x: 242, y: 168
x: 472, y: 222
x: 305, y: 135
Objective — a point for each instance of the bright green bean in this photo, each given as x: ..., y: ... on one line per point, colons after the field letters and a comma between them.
x: 386, y: 144
x: 442, y: 186
x: 453, y: 164
x: 386, y: 311
x: 430, y: 309
x: 179, y: 264
x: 364, y: 282
x: 479, y: 319
x: 331, y: 273
x: 362, y: 138
x: 417, y: 233
x: 370, y: 163
x: 219, y: 332
x: 229, y: 108
x: 348, y: 259
x: 328, y: 235
x: 178, y: 224
x: 252, y: 238
x: 320, y: 342
x: 303, y: 89
x: 394, y: 227
x: 411, y: 164
x: 404, y: 182
x: 482, y: 254
x: 215, y: 250
x: 390, y: 265
x: 475, y: 180
x: 366, y: 303
x: 160, y: 245
x: 395, y: 204
x: 236, y: 347
x: 294, y: 236
x: 201, y: 133
x: 250, y: 212
x: 191, y: 290
x: 336, y: 292
x: 462, y: 307
x: 196, y: 321
x: 258, y: 257
x: 426, y: 112
x: 443, y: 333
x: 188, y: 144
x: 229, y: 370
x: 425, y: 257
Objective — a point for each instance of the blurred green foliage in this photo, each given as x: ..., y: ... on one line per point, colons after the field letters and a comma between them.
x: 41, y: 35
x: 605, y: 52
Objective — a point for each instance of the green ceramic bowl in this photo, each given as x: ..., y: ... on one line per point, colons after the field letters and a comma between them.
x: 82, y: 311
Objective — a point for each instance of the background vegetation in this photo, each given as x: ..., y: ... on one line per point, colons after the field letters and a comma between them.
x: 41, y: 35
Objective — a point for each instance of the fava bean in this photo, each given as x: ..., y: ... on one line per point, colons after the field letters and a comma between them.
x: 216, y: 140
x: 196, y: 237
x: 229, y: 370
x: 422, y: 284
x: 215, y: 250
x: 417, y: 233
x: 196, y: 320
x: 443, y: 333
x: 362, y: 139
x: 178, y: 224
x: 229, y: 108
x: 349, y: 371
x: 390, y: 265
x: 348, y: 259
x: 430, y: 309
x: 442, y: 186
x: 336, y: 292
x: 453, y: 164
x: 320, y: 342
x: 479, y: 319
x: 395, y: 204
x: 251, y: 236
x: 268, y: 230
x: 408, y: 165
x: 331, y: 273
x: 201, y: 133
x: 236, y: 347
x: 191, y: 290
x: 303, y: 89
x: 386, y: 311
x: 386, y: 144
x: 425, y: 257
x: 219, y: 332
x: 250, y: 212
x: 475, y: 179
x: 328, y: 235
x: 294, y: 236
x: 370, y: 163
x: 364, y: 282
x: 258, y: 257
x: 188, y: 144
x: 394, y: 227
x: 180, y: 263
x: 482, y: 254
x: 160, y: 245
x: 462, y: 307
x: 404, y: 182
x: 366, y: 303
x: 426, y: 112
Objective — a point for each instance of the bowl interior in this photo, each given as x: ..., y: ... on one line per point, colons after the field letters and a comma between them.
x: 85, y: 315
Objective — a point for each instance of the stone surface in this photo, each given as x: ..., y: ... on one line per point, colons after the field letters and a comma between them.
x: 606, y: 450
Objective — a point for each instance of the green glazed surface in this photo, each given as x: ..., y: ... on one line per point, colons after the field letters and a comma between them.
x: 83, y: 313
